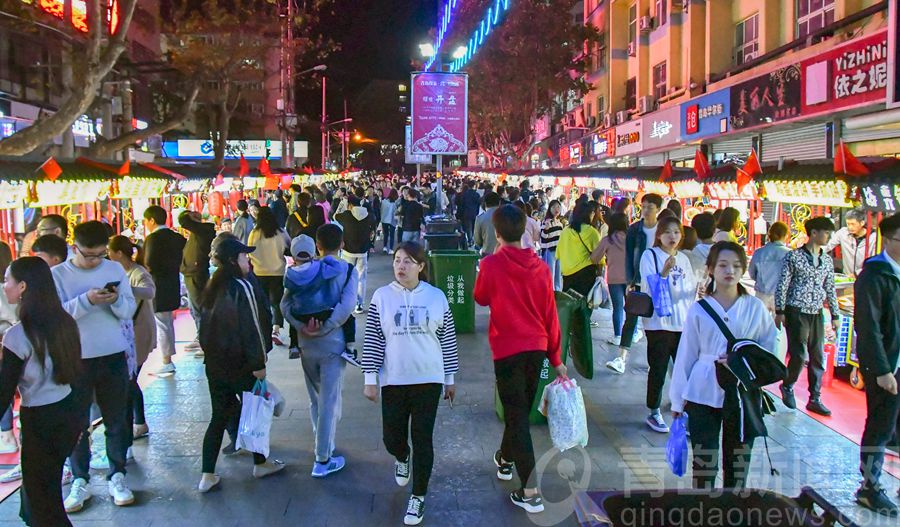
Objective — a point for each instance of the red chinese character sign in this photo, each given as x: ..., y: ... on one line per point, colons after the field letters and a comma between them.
x: 855, y: 74
x: 765, y: 99
x: 440, y: 113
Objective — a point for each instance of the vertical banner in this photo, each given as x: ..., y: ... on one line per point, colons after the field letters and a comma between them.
x: 440, y: 113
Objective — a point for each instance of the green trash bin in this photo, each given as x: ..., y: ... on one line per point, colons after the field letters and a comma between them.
x: 453, y: 272
x: 566, y: 308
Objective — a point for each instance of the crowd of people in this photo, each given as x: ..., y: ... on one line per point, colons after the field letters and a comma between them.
x: 292, y: 270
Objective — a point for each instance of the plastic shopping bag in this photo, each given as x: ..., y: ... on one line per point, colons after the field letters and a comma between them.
x: 256, y: 420
x: 566, y: 414
x: 277, y: 398
x: 659, y: 292
x: 677, y: 447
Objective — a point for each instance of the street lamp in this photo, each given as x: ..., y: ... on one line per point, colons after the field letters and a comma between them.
x: 427, y: 50
x: 289, y: 119
x: 460, y: 52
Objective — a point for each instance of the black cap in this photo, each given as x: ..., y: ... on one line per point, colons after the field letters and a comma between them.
x: 231, y: 248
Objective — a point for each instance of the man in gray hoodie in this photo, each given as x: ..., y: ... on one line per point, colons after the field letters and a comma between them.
x: 326, y: 290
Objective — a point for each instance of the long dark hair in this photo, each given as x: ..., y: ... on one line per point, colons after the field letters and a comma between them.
x: 417, y: 253
x: 714, y: 252
x: 548, y: 214
x: 266, y: 222
x: 5, y: 258
x: 729, y: 219
x: 584, y: 213
x: 125, y: 246
x: 49, y: 328
x: 618, y: 222
x: 225, y: 272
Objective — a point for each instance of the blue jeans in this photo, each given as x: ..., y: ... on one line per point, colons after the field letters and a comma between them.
x: 388, y: 230
x: 549, y: 256
x: 617, y: 296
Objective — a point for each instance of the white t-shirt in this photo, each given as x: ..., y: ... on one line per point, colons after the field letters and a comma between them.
x: 682, y: 288
x: 651, y: 235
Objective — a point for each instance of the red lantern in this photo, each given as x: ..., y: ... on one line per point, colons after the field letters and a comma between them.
x: 216, y: 204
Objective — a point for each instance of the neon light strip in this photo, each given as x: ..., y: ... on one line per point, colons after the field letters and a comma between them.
x: 490, y: 20
x: 444, y: 25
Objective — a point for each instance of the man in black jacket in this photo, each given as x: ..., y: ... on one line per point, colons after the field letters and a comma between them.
x: 358, y: 227
x: 878, y: 347
x: 468, y: 204
x: 306, y: 218
x: 163, y: 250
x: 195, y: 263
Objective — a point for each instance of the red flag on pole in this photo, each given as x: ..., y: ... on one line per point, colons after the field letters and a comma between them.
x: 846, y: 163
x: 51, y: 169
x: 750, y: 169
x: 667, y: 171
x: 125, y: 169
x: 701, y: 165
x: 264, y: 167
x: 244, y: 167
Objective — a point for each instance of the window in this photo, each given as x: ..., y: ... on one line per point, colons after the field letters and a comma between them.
x: 598, y: 57
x: 601, y: 105
x: 813, y: 15
x: 662, y: 12
x: 632, y: 23
x: 401, y: 87
x: 257, y: 109
x: 631, y: 94
x: 659, y: 81
x: 746, y: 40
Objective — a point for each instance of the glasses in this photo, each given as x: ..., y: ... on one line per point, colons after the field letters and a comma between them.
x: 89, y: 256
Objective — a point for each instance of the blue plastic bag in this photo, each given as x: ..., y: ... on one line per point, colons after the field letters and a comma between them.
x: 659, y: 292
x: 677, y: 447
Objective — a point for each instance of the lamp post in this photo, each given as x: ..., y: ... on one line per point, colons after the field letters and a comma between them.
x: 289, y: 119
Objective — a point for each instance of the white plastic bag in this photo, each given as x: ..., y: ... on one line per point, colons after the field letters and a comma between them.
x: 256, y: 420
x: 566, y: 414
x: 277, y: 398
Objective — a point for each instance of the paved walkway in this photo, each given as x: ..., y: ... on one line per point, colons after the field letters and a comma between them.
x: 621, y: 453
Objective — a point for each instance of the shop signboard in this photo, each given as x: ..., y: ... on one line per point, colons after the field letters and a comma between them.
x: 252, y: 149
x: 629, y: 138
x: 847, y: 76
x: 893, y: 65
x: 706, y: 116
x: 415, y: 159
x: 880, y: 196
x: 439, y: 113
x: 662, y: 128
x: 768, y: 98
x: 575, y: 154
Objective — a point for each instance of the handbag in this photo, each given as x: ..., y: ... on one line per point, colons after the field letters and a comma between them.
x: 598, y: 296
x: 639, y: 303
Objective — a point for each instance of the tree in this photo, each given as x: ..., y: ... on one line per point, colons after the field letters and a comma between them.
x: 90, y: 62
x: 536, y: 54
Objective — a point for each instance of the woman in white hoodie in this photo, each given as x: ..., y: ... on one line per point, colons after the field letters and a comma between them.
x: 695, y: 389
x: 411, y: 352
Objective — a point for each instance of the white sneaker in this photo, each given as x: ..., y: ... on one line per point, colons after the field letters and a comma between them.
x: 8, y: 444
x: 14, y: 474
x: 657, y: 423
x: 99, y: 461
x: 401, y: 472
x: 67, y: 476
x: 78, y: 495
x: 193, y: 346
x: 268, y: 468
x: 617, y: 365
x: 415, y: 511
x: 207, y: 482
x: 359, y: 310
x: 129, y: 455
x: 167, y: 370
x: 614, y: 341
x: 119, y: 491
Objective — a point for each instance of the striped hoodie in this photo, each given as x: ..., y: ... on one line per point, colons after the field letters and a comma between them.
x: 410, y: 337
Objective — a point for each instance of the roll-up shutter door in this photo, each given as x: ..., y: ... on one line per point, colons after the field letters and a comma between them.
x: 680, y: 154
x: 868, y: 134
x: 652, y: 160
x: 798, y: 144
x: 734, y: 146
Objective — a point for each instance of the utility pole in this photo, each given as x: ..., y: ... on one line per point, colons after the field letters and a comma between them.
x: 324, y: 126
x: 287, y: 86
x: 345, y: 139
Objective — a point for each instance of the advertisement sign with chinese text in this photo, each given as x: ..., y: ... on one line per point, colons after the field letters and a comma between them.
x: 706, y: 116
x: 414, y: 159
x: 629, y: 138
x: 662, y: 128
x: 850, y: 75
x: 439, y: 113
x: 768, y: 98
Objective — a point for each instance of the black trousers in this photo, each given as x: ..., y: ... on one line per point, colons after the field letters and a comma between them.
x: 661, y: 347
x: 195, y: 284
x: 705, y: 423
x: 104, y: 379
x: 225, y: 397
x: 882, y: 422
x: 806, y: 338
x: 581, y: 281
x: 274, y: 288
x: 135, y: 407
x: 49, y: 434
x: 412, y: 408
x: 517, y: 381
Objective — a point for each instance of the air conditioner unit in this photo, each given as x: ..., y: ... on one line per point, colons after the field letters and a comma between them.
x: 621, y: 117
x: 749, y: 56
x: 645, y: 24
x: 632, y: 49
x: 608, y: 120
x: 646, y: 104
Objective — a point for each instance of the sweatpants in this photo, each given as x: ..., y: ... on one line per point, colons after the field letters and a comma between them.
x: 324, y: 374
x: 517, y: 381
x: 882, y: 423
x: 806, y: 338
x: 705, y: 423
x: 165, y: 333
x: 49, y: 433
x: 361, y: 263
x: 225, y: 397
x: 195, y: 284
x: 411, y: 409
x: 581, y: 281
x: 661, y: 347
x: 274, y: 289
x: 106, y: 380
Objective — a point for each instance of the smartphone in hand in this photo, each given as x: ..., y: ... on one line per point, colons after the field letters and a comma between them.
x: 111, y: 287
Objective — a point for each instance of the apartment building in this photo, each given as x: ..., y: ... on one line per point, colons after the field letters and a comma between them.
x: 789, y: 78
